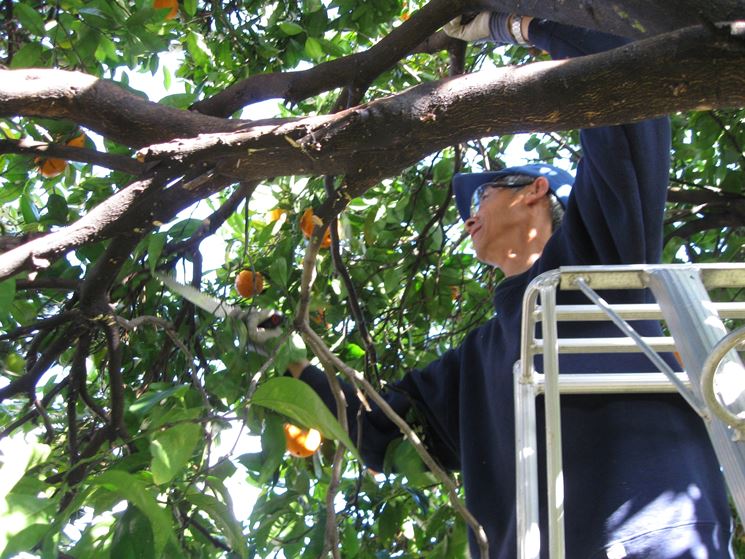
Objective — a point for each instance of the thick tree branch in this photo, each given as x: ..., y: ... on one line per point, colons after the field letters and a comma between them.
x: 133, y: 211
x: 91, y: 227
x: 704, y: 195
x: 101, y: 106
x: 684, y: 70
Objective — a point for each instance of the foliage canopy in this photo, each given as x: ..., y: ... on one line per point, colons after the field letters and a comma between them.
x: 122, y: 404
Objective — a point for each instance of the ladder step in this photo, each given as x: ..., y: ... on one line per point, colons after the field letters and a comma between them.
x: 634, y: 276
x: 613, y: 383
x: 570, y: 313
x: 609, y: 345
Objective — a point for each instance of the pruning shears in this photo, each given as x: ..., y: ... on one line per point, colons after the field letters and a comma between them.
x: 262, y: 324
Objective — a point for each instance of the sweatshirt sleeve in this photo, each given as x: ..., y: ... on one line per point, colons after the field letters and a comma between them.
x: 373, y: 431
x: 615, y: 213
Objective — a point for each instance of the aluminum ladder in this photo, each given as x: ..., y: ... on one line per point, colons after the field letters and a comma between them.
x: 714, y: 382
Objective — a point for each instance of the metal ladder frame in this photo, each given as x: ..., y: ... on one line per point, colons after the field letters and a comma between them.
x: 683, y: 302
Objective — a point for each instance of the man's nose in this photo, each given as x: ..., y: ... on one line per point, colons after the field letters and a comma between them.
x: 470, y: 222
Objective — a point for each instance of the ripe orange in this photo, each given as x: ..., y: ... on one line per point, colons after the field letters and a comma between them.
x: 248, y: 283
x: 308, y: 221
x: 275, y: 215
x: 52, y: 167
x: 77, y: 141
x: 301, y: 442
x: 162, y: 4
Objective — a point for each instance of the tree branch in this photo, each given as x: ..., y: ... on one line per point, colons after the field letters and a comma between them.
x: 683, y: 70
x: 108, y: 160
x: 352, y: 72
x: 26, y: 384
x: 102, y: 106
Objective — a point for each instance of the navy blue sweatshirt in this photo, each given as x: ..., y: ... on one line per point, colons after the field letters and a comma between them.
x: 641, y: 479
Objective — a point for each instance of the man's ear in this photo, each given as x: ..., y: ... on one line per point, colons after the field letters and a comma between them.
x: 537, y: 189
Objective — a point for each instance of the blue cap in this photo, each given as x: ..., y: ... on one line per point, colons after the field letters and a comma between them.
x: 465, y: 184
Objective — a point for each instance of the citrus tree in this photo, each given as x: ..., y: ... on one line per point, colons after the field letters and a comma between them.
x: 124, y: 408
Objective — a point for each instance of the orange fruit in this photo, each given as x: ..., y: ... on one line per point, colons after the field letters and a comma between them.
x: 275, y: 215
x: 301, y: 442
x: 248, y: 283
x: 77, y: 141
x: 51, y: 167
x: 308, y: 221
x: 162, y: 4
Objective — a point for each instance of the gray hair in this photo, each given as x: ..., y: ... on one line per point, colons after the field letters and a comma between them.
x: 557, y: 211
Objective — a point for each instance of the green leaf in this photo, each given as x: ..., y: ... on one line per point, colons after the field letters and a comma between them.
x: 28, y: 56
x: 144, y: 403
x: 172, y: 449
x: 353, y: 351
x: 297, y: 400
x: 134, y: 490
x: 190, y: 7
x: 311, y: 6
x: 29, y: 18
x: 313, y: 48
x: 278, y: 272
x: 28, y: 209
x: 290, y: 28
x: 224, y: 520
x: 7, y: 292
x: 133, y: 536
x: 198, y: 48
x: 154, y: 249
x: 57, y: 208
x: 178, y: 100
x: 272, y: 447
x: 25, y: 455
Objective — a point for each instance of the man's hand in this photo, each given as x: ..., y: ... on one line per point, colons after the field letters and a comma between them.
x: 475, y: 30
x: 497, y: 26
x: 262, y: 327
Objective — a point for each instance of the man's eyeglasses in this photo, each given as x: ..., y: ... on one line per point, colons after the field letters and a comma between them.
x: 508, y: 181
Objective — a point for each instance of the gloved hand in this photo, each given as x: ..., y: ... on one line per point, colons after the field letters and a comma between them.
x: 497, y: 26
x: 476, y: 29
x: 263, y: 325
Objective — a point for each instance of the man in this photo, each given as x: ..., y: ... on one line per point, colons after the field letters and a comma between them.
x: 641, y: 479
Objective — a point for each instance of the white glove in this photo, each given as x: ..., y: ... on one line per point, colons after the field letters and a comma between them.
x: 262, y: 334
x: 475, y: 30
